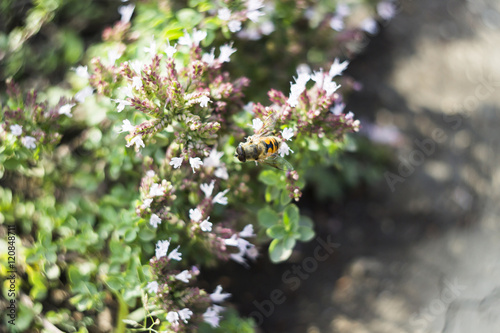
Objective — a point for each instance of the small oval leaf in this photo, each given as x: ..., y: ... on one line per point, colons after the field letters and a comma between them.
x: 291, y: 216
x: 306, y: 234
x: 277, y: 252
x: 267, y: 217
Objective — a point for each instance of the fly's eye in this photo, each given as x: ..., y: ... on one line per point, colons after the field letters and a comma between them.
x: 240, y: 153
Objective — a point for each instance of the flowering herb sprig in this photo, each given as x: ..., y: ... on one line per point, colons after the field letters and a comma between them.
x: 32, y: 125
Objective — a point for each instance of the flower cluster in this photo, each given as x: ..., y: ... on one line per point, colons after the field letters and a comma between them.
x: 33, y: 124
x: 311, y: 108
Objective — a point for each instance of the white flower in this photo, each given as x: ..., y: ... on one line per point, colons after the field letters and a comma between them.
x: 83, y: 94
x: 29, y: 142
x: 337, y: 68
x: 257, y: 124
x: 113, y: 55
x: 176, y: 162
x: 349, y: 115
x: 170, y: 50
x: 126, y: 12
x: 203, y: 100
x: 150, y: 173
x: 152, y: 287
x: 252, y: 253
x: 66, y: 109
x: 224, y: 14
x: 267, y: 27
x: 225, y: 52
x: 369, y: 25
x: 247, y: 231
x: 194, y: 40
x: 136, y: 65
x: 156, y: 190
x: 209, y: 58
x: 208, y: 188
x: 173, y: 318
x: 154, y: 220
x: 386, y: 10
x: 221, y: 173
x: 195, y: 214
x: 152, y: 46
x: 212, y: 317
x: 127, y: 127
x: 127, y: 91
x: 244, y: 247
x: 198, y: 36
x: 234, y: 25
x: 318, y: 77
x: 287, y: 133
x: 82, y: 71
x: 356, y: 124
x: 250, y: 33
x: 136, y: 82
x: 233, y: 241
x: 337, y: 23
x: 147, y: 203
x: 175, y: 254
x: 254, y: 15
x: 137, y: 140
x: 238, y: 257
x: 284, y: 149
x: 220, y: 198
x: 16, y: 130
x: 185, y: 314
x: 195, y: 162
x: 330, y: 87
x: 213, y: 160
x: 206, y: 225
x: 343, y: 9
x: 121, y: 104
x: 297, y: 88
x: 338, y: 108
x: 254, y: 4
x: 218, y: 296
x: 183, y: 276
x: 162, y: 248
x: 248, y: 107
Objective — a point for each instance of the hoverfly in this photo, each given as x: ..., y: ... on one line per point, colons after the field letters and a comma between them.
x: 263, y: 146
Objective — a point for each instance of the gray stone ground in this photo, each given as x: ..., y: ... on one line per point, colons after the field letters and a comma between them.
x: 436, y: 77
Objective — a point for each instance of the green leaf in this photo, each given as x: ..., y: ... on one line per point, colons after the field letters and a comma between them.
x: 285, y: 198
x: 276, y: 231
x: 269, y: 177
x: 75, y: 277
x: 272, y: 192
x: 146, y: 234
x: 130, y: 235
x: 291, y: 217
x: 306, y: 234
x: 277, y: 251
x: 289, y: 242
x: 267, y: 217
x: 306, y: 221
x: 189, y: 17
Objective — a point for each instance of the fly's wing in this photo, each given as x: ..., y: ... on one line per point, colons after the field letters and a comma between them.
x: 268, y: 125
x: 278, y: 162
